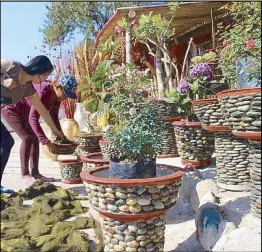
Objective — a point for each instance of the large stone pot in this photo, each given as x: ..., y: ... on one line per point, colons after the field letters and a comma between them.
x: 242, y: 109
x: 232, y: 162
x: 209, y: 112
x: 195, y: 145
x: 88, y: 143
x: 132, y: 210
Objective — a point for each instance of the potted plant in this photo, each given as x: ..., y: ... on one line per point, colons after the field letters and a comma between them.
x: 136, y: 145
x: 195, y: 145
x: 128, y: 195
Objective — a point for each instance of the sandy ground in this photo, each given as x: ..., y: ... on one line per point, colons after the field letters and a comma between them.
x: 180, y: 228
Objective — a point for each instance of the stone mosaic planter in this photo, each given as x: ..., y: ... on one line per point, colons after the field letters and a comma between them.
x: 144, y: 235
x: 87, y: 143
x: 209, y: 112
x: 70, y: 171
x: 232, y: 162
x: 194, y: 144
x: 169, y: 148
x: 255, y: 172
x: 132, y: 210
x: 107, y: 151
x: 165, y: 108
x: 93, y: 160
x: 242, y: 109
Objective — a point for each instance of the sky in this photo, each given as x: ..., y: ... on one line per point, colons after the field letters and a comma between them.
x: 20, y: 35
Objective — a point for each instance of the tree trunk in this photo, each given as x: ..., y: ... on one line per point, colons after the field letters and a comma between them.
x: 159, y: 72
x: 129, y: 58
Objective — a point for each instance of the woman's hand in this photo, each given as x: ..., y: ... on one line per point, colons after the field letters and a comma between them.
x: 9, y: 83
x: 59, y: 136
x: 55, y: 148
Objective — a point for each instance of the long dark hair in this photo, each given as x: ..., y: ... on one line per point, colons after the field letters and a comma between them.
x: 38, y: 65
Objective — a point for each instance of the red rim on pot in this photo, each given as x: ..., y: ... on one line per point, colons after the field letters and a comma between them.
x: 87, y: 176
x: 217, y: 128
x: 205, y: 101
x: 248, y: 134
x: 238, y: 91
x: 89, y: 158
x: 194, y: 124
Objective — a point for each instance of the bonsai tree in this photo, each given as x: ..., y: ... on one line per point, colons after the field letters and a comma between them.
x: 136, y: 144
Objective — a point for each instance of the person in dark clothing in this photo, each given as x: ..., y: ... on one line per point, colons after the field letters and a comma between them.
x: 16, y: 84
x: 23, y: 118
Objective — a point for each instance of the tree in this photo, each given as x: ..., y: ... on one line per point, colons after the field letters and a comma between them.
x: 156, y: 32
x: 64, y: 18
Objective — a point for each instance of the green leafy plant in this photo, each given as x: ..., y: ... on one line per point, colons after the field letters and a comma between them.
x: 140, y: 138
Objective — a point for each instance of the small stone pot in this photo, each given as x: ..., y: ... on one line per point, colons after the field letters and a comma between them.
x: 107, y: 151
x: 70, y: 171
x: 242, y: 109
x: 194, y: 144
x: 169, y: 148
x: 209, y: 112
x: 143, y: 169
x: 88, y: 143
x: 93, y: 160
x: 165, y: 108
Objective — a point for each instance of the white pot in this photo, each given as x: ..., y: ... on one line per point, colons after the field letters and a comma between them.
x: 80, y: 116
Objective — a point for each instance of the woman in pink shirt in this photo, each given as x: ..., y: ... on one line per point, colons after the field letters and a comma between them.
x: 23, y: 118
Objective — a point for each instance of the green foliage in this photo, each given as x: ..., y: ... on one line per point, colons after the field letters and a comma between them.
x: 241, y: 40
x: 154, y: 28
x: 141, y: 137
x: 183, y: 101
x: 64, y: 18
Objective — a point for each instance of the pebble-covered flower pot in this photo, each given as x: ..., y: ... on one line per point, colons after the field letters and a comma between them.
x: 106, y: 149
x: 232, y: 162
x: 132, y: 210
x: 242, y: 109
x: 255, y: 172
x: 70, y: 171
x: 165, y: 108
x: 88, y: 143
x: 194, y: 144
x: 93, y: 160
x: 209, y: 112
x: 169, y: 148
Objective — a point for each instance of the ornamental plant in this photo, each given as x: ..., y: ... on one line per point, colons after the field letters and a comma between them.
x: 140, y: 138
x: 200, y: 75
x: 242, y: 39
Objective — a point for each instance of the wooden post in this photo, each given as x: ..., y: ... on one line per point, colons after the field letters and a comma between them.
x: 213, y: 30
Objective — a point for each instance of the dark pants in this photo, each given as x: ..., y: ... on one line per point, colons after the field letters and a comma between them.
x: 29, y: 150
x: 7, y: 142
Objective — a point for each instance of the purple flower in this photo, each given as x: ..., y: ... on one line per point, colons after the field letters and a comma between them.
x: 183, y: 87
x: 201, y: 70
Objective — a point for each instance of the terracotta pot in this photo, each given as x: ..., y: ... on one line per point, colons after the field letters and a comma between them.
x: 70, y: 171
x: 242, y: 110
x: 70, y: 128
x: 194, y: 144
